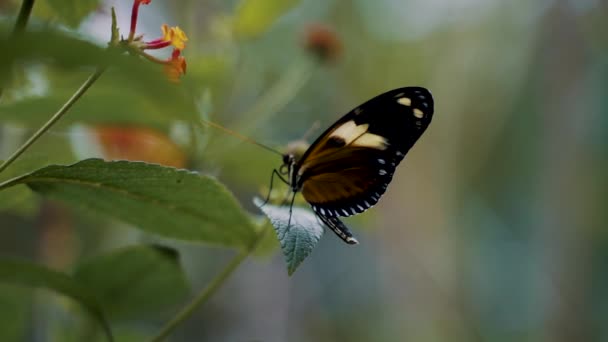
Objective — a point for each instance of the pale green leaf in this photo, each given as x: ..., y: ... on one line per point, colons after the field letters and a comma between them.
x: 298, y: 236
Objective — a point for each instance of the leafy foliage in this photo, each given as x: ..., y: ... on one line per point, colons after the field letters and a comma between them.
x: 68, y: 12
x: 148, y: 100
x: 29, y: 274
x: 134, y: 282
x: 16, y: 306
x: 39, y: 70
x: 173, y: 203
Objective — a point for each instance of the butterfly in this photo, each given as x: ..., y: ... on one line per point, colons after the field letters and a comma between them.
x: 348, y: 168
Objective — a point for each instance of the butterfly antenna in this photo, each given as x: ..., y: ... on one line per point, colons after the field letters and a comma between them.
x: 239, y: 136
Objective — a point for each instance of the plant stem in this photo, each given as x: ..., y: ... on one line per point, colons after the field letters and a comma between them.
x: 24, y: 15
x: 22, y: 19
x: 66, y: 106
x: 206, y: 293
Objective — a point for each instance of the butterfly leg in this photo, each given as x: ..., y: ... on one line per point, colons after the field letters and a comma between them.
x: 277, y: 173
x: 291, y: 209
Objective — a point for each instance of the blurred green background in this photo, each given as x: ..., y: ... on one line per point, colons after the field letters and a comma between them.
x: 493, y: 229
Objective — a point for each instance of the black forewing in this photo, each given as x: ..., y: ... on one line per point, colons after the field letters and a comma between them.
x: 345, y: 180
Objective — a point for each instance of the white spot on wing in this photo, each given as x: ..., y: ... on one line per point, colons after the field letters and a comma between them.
x: 381, y: 161
x: 349, y: 131
x: 345, y: 212
x: 382, y: 172
x: 371, y: 140
x: 322, y: 211
x: 360, y: 208
x: 418, y: 113
x: 406, y: 101
x: 356, y: 135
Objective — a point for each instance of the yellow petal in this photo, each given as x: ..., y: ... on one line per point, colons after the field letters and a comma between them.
x: 175, y: 35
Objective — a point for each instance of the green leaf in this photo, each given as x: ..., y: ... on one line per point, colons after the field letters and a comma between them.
x: 166, y: 201
x: 28, y: 274
x: 69, y: 12
x: 132, y: 90
x: 128, y: 106
x: 135, y: 281
x: 255, y: 17
x: 299, y: 237
x: 53, y: 46
x: 16, y: 309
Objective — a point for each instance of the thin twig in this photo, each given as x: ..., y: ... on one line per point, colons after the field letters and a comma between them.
x: 22, y: 19
x: 24, y: 16
x: 83, y: 88
x: 208, y: 291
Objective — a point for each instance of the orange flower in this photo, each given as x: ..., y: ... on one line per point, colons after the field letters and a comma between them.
x: 175, y: 67
x: 322, y: 42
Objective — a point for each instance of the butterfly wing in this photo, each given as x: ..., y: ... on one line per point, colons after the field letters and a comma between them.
x: 339, y: 228
x: 348, y: 168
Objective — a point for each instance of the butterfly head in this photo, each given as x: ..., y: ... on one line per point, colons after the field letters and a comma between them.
x: 297, y: 148
x: 289, y: 161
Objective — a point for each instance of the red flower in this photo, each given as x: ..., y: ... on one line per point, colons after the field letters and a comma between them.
x: 134, y: 14
x: 175, y: 66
